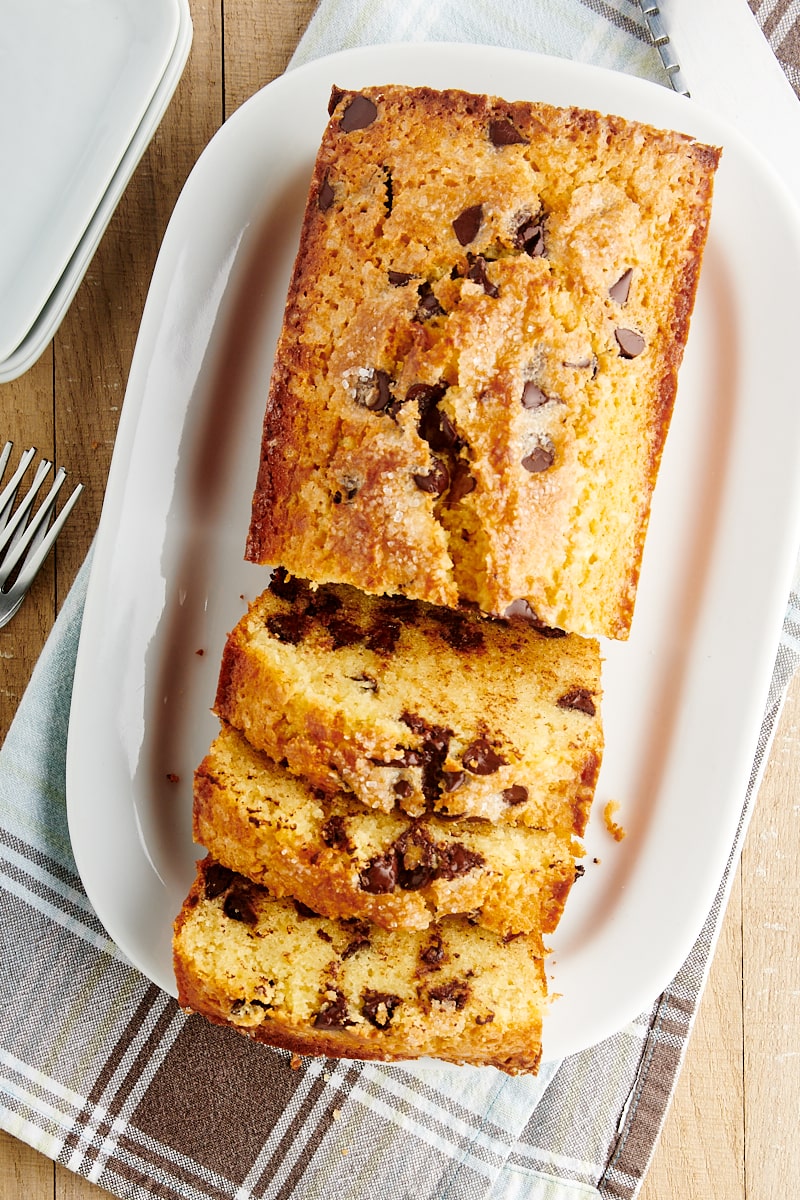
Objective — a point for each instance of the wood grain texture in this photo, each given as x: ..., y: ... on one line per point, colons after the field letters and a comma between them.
x: 731, y: 1131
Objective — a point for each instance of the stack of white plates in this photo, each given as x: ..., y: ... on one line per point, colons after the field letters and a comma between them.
x: 83, y: 87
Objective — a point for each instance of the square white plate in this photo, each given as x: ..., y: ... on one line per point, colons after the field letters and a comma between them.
x: 76, y: 77
x: 683, y: 697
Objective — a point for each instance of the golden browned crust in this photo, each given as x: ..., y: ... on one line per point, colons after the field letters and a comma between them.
x: 457, y: 253
x: 327, y: 988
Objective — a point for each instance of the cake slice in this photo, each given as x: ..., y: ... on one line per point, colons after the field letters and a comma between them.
x: 341, y: 859
x: 347, y: 989
x: 479, y: 355
x: 408, y: 705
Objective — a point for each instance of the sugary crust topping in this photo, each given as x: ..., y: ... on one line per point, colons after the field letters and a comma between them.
x: 458, y: 252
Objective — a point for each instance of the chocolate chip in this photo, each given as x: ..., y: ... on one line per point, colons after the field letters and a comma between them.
x: 384, y: 637
x: 540, y: 458
x: 389, y: 202
x: 399, y: 278
x: 451, y: 995
x: 325, y: 195
x: 580, y: 699
x: 359, y: 113
x: 380, y: 875
x: 461, y: 632
x: 529, y: 237
x: 485, y: 1020
x: 428, y: 305
x: 433, y: 954
x: 503, y: 132
x: 379, y: 1007
x: 334, y: 98
x: 452, y: 780
x: 217, y: 880
x: 621, y: 289
x: 402, y: 789
x: 416, y: 863
x: 333, y: 1014
x: 435, y: 427
x: 580, y: 870
x: 303, y: 910
x: 334, y: 833
x: 322, y: 602
x: 477, y: 274
x: 288, y: 627
x: 481, y: 758
x: 283, y: 585
x: 455, y: 859
x: 238, y: 905
x: 323, y: 935
x: 533, y: 396
x: 359, y: 942
x: 343, y: 632
x: 467, y: 224
x: 462, y: 482
x: 372, y: 390
x: 436, y: 481
x: 630, y: 343
x: 516, y: 794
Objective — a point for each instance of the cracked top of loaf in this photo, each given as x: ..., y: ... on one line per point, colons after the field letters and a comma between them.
x: 479, y: 354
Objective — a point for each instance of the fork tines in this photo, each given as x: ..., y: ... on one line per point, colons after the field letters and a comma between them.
x: 26, y: 539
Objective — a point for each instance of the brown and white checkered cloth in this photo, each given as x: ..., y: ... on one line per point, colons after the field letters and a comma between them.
x: 101, y: 1071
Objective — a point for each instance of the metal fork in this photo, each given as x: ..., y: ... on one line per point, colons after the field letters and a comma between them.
x: 25, y: 540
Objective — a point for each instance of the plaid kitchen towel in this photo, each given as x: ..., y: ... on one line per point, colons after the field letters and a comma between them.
x: 101, y: 1071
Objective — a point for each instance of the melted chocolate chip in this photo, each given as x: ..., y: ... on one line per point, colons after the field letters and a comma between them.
x: 402, y: 789
x: 503, y: 132
x: 477, y: 274
x: 455, y: 859
x: 324, y: 935
x: 284, y: 586
x: 459, y: 631
x: 333, y: 100
x: 373, y: 391
x: 416, y: 861
x: 485, y: 1020
x: 428, y: 305
x: 379, y: 1007
x: 359, y: 113
x: 433, y: 954
x: 435, y: 744
x: 580, y: 870
x: 462, y: 482
x: 452, y: 781
x: 369, y: 684
x: 436, y: 481
x: 359, y: 942
x: 467, y: 224
x: 217, y: 880
x: 322, y: 602
x: 533, y: 396
x: 325, y: 195
x: 481, y: 758
x: 621, y: 289
x: 288, y: 627
x: 540, y: 459
x: 389, y: 202
x: 384, y: 637
x: 399, y: 278
x: 435, y: 427
x: 453, y: 994
x: 333, y: 1014
x: 580, y: 699
x: 343, y: 632
x: 516, y: 794
x: 303, y: 910
x: 630, y: 343
x: 380, y: 875
x: 238, y: 905
x: 529, y: 237
x: 334, y: 834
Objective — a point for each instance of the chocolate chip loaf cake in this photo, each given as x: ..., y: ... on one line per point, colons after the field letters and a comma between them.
x: 347, y: 989
x: 479, y: 355
x: 341, y: 859
x: 408, y: 705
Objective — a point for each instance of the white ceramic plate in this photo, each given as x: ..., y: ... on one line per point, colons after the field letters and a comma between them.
x: 684, y: 697
x: 76, y: 77
x: 47, y: 322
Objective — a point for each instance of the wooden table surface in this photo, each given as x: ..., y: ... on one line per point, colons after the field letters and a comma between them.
x: 731, y: 1132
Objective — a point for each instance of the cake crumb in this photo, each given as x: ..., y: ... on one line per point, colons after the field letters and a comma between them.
x: 296, y: 1062
x: 613, y: 827
x: 172, y: 777
x: 336, y: 1114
